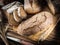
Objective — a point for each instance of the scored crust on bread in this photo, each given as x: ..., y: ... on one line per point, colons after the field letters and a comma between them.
x: 15, y: 16
x: 21, y: 12
x: 31, y: 6
x: 14, y: 13
x: 11, y: 20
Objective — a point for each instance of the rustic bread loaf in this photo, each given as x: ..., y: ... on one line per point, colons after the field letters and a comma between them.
x: 14, y: 13
x: 37, y: 25
x: 31, y: 6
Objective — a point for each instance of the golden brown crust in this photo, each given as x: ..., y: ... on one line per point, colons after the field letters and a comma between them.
x: 39, y: 22
x: 15, y: 16
x: 14, y: 13
x: 51, y: 6
x: 31, y: 8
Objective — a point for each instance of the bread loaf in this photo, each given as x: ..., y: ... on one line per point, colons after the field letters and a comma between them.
x: 37, y: 24
x: 14, y: 13
x: 31, y: 6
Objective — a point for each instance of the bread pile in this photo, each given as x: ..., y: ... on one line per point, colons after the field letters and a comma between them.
x: 39, y: 26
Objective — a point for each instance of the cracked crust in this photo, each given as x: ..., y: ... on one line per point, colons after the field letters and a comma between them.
x: 39, y: 22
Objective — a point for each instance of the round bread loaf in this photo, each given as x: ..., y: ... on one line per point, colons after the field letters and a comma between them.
x: 31, y: 6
